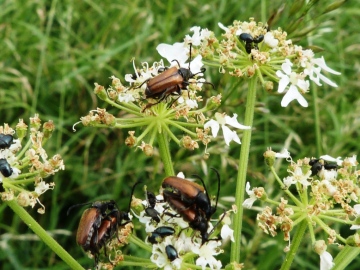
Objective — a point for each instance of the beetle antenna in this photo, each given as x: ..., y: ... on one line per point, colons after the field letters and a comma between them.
x: 218, y: 193
x: 76, y: 205
x: 202, y: 181
x: 132, y: 193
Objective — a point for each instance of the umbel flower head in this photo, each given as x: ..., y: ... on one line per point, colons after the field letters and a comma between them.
x: 318, y: 190
x: 24, y: 162
x: 250, y: 49
x: 186, y: 242
x: 159, y: 99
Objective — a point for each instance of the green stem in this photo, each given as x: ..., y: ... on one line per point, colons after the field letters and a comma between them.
x: 295, y: 243
x: 316, y: 120
x: 345, y: 256
x: 243, y: 163
x: 165, y: 153
x: 43, y: 235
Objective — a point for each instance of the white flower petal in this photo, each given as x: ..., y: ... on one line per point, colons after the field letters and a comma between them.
x: 230, y: 135
x: 232, y: 121
x: 195, y: 64
x: 283, y: 154
x: 214, y: 125
x: 284, y: 81
x: 292, y: 94
x: 326, y: 261
x: 177, y: 51
x: 227, y: 232
x: 223, y: 27
x: 321, y: 63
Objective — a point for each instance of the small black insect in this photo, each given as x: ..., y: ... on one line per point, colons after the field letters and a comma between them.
x: 171, y: 253
x: 5, y: 141
x: 250, y: 41
x: 5, y: 168
x: 160, y: 233
x: 150, y: 210
x: 318, y: 164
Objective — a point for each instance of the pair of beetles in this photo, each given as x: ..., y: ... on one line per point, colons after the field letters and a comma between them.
x: 6, y: 140
x: 100, y: 223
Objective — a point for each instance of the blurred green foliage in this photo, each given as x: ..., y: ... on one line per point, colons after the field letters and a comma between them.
x: 52, y: 52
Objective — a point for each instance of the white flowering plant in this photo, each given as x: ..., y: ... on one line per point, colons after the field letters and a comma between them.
x: 172, y: 103
x: 162, y: 98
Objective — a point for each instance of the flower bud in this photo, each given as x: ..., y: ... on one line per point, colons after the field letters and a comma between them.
x: 320, y: 247
x: 131, y: 140
x: 99, y: 90
x: 35, y: 122
x: 21, y: 129
x: 269, y: 156
x: 23, y: 199
x: 48, y: 128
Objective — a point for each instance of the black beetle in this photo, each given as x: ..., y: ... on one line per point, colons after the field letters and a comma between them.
x: 5, y: 168
x: 5, y: 141
x: 318, y: 164
x: 171, y: 253
x: 250, y: 41
x: 160, y: 233
x: 150, y: 210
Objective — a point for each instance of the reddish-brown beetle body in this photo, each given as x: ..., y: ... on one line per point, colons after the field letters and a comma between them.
x: 90, y: 221
x: 191, y: 202
x: 165, y: 83
x: 195, y: 217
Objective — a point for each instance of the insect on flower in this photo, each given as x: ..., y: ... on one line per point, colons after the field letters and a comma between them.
x: 5, y: 168
x: 5, y: 141
x: 250, y: 42
x: 99, y: 223
x: 170, y: 81
x: 190, y: 201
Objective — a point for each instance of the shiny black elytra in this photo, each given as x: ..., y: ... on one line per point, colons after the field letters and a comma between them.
x: 150, y: 210
x: 5, y: 141
x: 318, y: 164
x: 160, y: 233
x: 5, y: 168
x: 171, y: 253
x: 250, y: 41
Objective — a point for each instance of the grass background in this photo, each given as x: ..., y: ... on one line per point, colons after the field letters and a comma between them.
x: 51, y: 54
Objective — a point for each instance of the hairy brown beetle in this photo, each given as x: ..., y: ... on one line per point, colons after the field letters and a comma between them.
x: 5, y: 141
x: 170, y: 81
x: 189, y: 201
x: 190, y: 193
x: 5, y: 168
x: 99, y: 223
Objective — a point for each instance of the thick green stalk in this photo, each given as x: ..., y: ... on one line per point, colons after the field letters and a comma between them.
x: 165, y: 153
x: 345, y: 257
x: 243, y: 162
x: 295, y: 243
x: 43, y: 235
x: 316, y: 120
